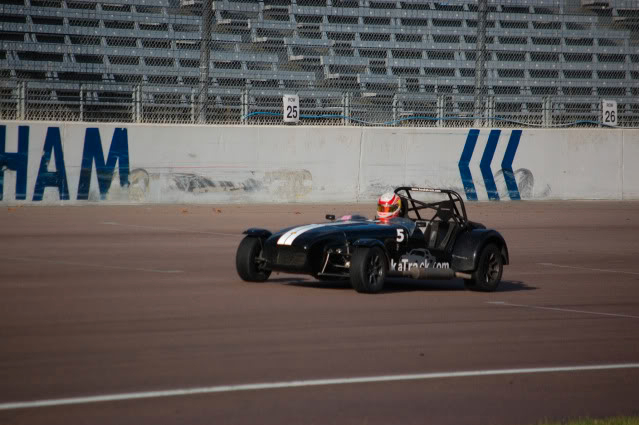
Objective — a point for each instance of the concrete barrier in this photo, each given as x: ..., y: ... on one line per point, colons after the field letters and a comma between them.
x: 630, y: 159
x: 71, y: 163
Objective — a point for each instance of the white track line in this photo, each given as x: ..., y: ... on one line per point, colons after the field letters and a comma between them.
x: 308, y: 383
x: 100, y: 266
x: 587, y: 268
x: 170, y: 229
x: 562, y: 309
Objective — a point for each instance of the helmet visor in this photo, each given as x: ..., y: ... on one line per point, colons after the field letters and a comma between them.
x: 387, y: 208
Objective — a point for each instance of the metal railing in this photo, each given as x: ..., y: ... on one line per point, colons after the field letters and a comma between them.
x: 181, y: 105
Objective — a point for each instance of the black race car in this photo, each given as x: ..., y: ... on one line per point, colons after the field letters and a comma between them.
x: 431, y: 239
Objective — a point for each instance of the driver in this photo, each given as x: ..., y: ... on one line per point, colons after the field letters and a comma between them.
x: 389, y: 206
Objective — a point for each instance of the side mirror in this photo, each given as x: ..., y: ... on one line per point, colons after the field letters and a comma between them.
x: 330, y: 217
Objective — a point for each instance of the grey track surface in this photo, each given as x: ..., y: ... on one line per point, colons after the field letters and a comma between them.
x: 106, y: 300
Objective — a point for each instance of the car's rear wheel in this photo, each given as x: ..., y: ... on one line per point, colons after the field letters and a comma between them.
x: 246, y: 260
x: 368, y: 269
x: 489, y: 270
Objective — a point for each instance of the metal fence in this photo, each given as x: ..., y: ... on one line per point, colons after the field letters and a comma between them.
x: 352, y: 62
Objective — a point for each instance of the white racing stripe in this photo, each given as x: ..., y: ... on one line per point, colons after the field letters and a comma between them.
x: 288, y: 237
x: 567, y: 310
x: 308, y: 383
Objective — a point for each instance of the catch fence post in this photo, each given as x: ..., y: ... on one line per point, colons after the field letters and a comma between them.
x: 546, y: 118
x: 137, y: 104
x: 205, y: 57
x: 21, y: 112
x: 440, y: 110
x: 395, y: 105
x: 245, y: 106
x: 346, y: 107
x: 480, y: 59
x: 193, y: 106
x: 81, y: 102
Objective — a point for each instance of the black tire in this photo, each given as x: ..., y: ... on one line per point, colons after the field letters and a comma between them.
x: 245, y: 260
x: 489, y: 270
x: 368, y: 269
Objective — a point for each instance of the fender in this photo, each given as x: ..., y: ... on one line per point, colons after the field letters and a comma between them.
x: 257, y: 232
x: 469, y: 245
x: 369, y: 243
x: 332, y: 245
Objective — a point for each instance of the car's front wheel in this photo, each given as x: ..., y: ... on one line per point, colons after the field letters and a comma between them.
x: 489, y: 270
x: 247, y: 264
x: 368, y: 269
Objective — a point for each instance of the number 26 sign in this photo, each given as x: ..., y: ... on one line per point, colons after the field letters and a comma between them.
x: 609, y: 112
x: 291, y: 108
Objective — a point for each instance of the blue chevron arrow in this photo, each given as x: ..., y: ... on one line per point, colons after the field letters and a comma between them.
x: 464, y: 168
x: 484, y: 165
x: 507, y: 165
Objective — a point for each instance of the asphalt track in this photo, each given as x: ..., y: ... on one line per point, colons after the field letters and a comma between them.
x: 138, y: 303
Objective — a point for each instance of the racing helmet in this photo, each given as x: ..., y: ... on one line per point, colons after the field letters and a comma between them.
x: 388, y: 206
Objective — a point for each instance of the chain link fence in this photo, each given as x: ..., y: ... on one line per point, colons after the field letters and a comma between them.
x: 448, y: 63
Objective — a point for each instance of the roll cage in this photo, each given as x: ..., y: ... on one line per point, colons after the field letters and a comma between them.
x: 450, y: 209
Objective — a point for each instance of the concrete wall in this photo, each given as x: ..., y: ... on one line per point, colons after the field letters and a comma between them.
x: 78, y: 163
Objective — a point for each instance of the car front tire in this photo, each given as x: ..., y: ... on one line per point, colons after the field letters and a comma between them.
x: 246, y: 262
x: 489, y: 270
x: 368, y: 269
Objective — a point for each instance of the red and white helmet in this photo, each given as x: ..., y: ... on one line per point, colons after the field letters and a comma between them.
x: 388, y: 206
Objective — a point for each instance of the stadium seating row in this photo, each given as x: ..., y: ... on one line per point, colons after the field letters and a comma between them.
x: 382, y: 52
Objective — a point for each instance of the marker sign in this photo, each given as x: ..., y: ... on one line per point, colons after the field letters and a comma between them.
x: 291, y: 108
x: 609, y: 112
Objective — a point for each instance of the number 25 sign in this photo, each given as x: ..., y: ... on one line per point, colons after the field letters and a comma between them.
x: 291, y: 108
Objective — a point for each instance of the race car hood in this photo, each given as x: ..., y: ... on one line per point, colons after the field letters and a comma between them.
x: 307, y: 235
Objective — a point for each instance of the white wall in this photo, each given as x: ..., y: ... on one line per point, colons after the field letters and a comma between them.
x: 219, y: 164
x: 630, y: 156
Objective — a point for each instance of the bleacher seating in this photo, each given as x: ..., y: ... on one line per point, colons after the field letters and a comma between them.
x: 86, y: 58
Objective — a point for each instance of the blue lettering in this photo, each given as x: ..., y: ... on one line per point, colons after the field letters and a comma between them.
x: 119, y: 152
x: 57, y: 178
x: 17, y: 162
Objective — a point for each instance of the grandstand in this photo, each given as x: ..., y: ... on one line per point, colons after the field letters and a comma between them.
x: 396, y: 62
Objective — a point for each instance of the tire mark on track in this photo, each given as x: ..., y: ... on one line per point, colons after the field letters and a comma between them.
x: 100, y: 266
x: 169, y: 229
x: 567, y: 310
x: 587, y: 268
